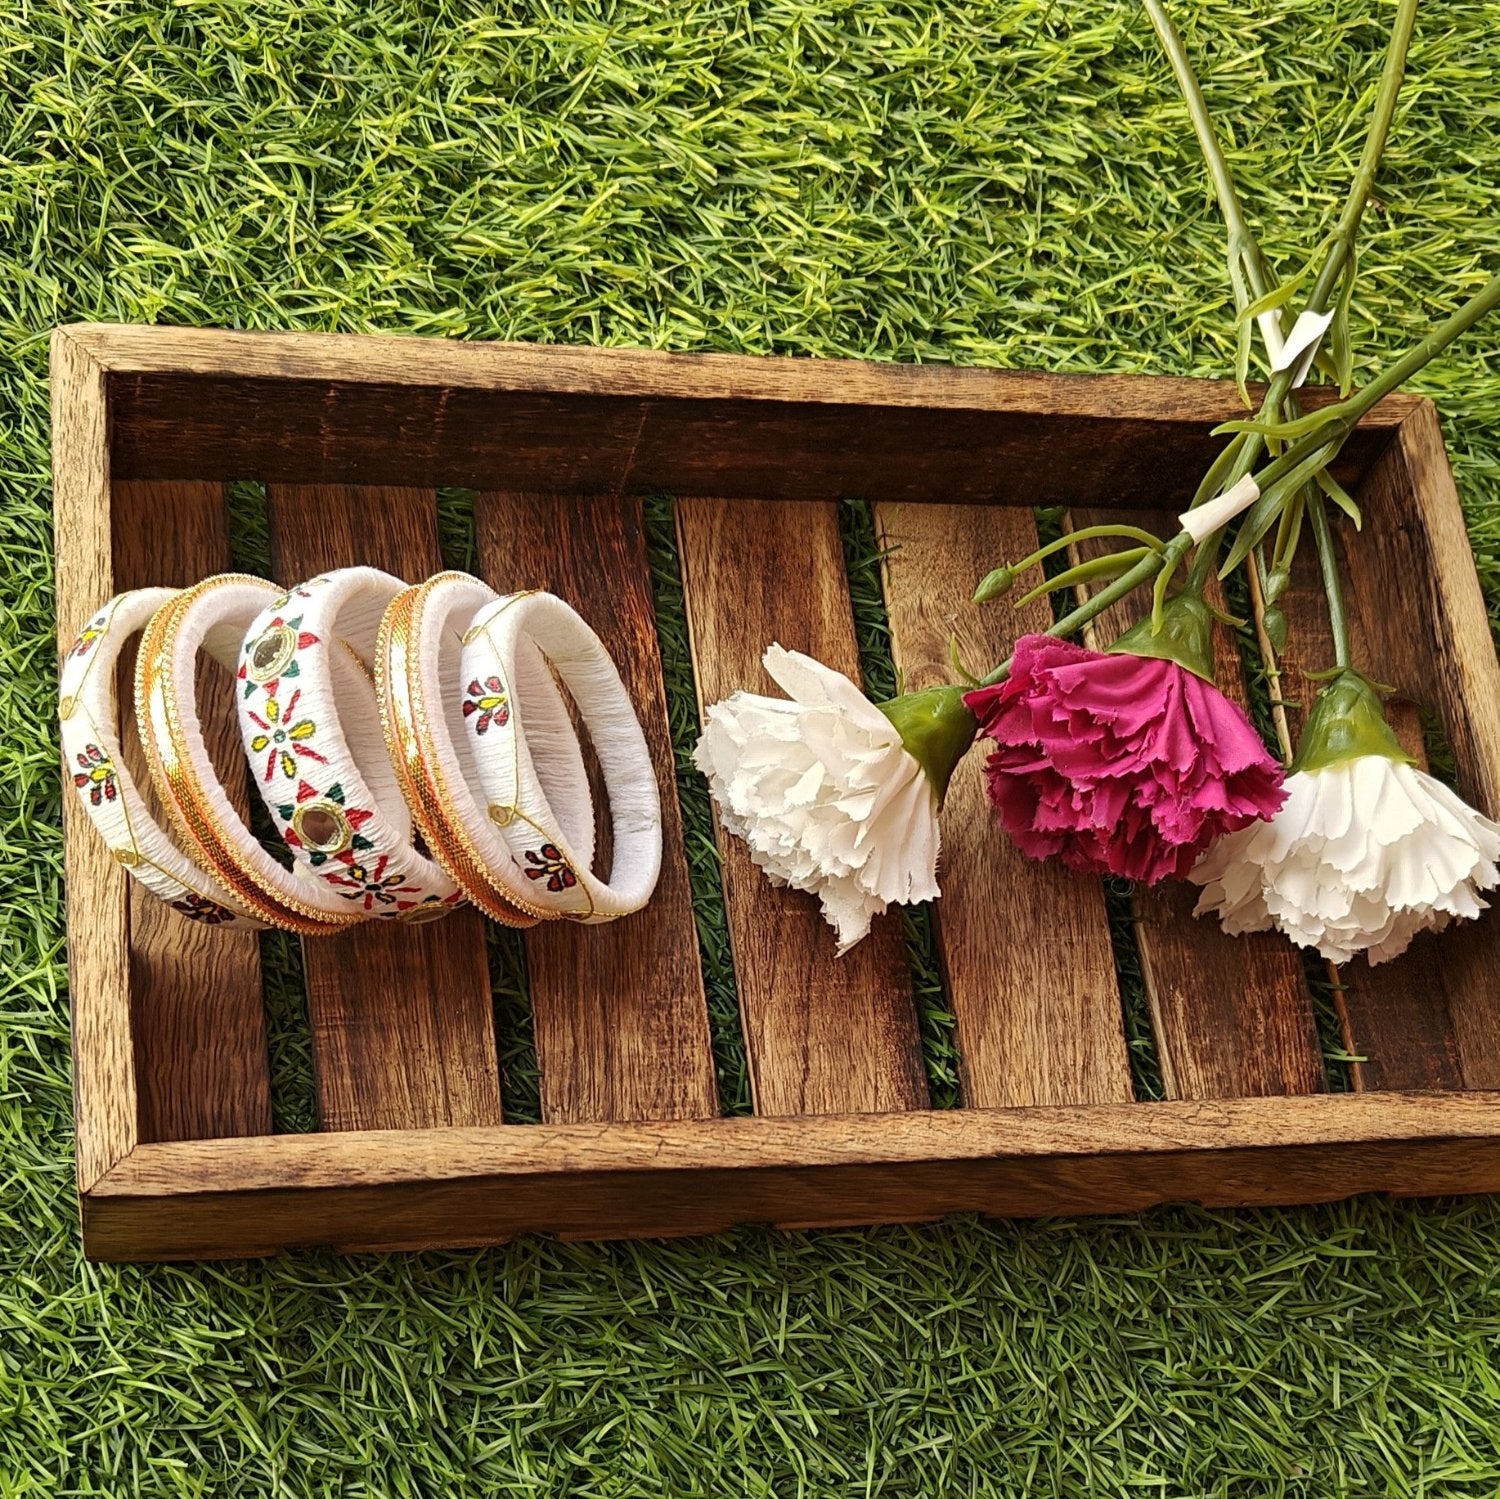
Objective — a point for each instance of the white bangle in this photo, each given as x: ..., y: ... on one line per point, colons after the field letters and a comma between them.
x: 89, y: 714
x: 213, y: 617
x: 318, y: 758
x: 508, y: 647
x: 417, y: 682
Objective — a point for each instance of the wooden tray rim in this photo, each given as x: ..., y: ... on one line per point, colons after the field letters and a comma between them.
x: 749, y: 1142
x: 592, y: 370
x: 1398, y: 1132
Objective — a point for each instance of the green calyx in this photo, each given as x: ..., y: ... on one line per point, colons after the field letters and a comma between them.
x: 1347, y: 722
x: 1186, y: 636
x: 936, y: 729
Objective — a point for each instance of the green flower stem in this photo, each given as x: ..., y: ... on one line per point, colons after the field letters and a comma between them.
x: 1485, y: 300
x: 1144, y: 570
x: 1242, y: 243
x: 1344, y: 235
x: 1342, y: 246
x: 1348, y: 413
x: 1279, y: 392
x: 1333, y: 587
x: 1330, y: 436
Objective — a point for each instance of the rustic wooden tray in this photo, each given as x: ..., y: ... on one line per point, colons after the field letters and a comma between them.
x: 176, y: 1157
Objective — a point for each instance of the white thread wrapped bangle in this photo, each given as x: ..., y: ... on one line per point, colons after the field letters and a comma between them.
x: 313, y: 737
x: 507, y: 647
x: 89, y: 714
x: 213, y: 616
x: 416, y: 674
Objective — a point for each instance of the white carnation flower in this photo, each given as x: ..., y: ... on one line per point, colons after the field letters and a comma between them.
x: 825, y: 792
x: 1366, y: 853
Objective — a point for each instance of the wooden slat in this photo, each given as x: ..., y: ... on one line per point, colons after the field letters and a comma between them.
x: 402, y: 1017
x: 479, y: 1186
x: 1464, y: 689
x: 620, y: 1016
x: 1025, y: 947
x: 823, y: 1034
x: 1430, y: 1018
x: 207, y: 403
x: 1232, y: 1015
x: 197, y: 1016
x: 105, y: 1095
x: 1395, y: 1020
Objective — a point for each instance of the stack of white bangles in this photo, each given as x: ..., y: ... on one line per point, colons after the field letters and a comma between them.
x: 411, y: 746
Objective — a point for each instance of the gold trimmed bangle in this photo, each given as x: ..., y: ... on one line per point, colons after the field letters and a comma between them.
x: 112, y: 800
x: 319, y: 759
x: 213, y: 616
x: 515, y: 651
x: 417, y: 654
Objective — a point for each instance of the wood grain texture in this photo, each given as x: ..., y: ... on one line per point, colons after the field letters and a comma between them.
x: 402, y: 1016
x: 1395, y: 1021
x: 1465, y: 693
x: 131, y: 349
x: 1025, y: 947
x: 197, y: 1013
x: 205, y: 403
x: 823, y: 1034
x: 203, y: 407
x: 1432, y: 1016
x: 620, y: 1016
x: 483, y: 1185
x: 104, y: 1074
x: 1232, y: 1015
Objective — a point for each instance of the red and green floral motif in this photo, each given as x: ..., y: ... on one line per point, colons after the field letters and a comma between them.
x: 293, y: 668
x: 197, y: 908
x: 96, y: 775
x: 489, y: 699
x: 371, y: 886
x: 356, y: 817
x: 550, y: 865
x: 85, y: 642
x: 284, y: 735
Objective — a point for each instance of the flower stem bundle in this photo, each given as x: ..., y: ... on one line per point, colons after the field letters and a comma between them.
x: 1128, y: 760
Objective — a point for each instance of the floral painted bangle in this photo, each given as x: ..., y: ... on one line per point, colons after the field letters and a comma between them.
x: 510, y: 647
x: 313, y: 737
x: 416, y: 668
x: 115, y: 805
x: 213, y: 617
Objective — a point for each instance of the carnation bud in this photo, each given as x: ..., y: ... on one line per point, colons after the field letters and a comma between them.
x: 996, y: 585
x: 1277, y: 583
x: 1274, y: 622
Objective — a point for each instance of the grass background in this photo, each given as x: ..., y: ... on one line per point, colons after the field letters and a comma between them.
x: 977, y: 181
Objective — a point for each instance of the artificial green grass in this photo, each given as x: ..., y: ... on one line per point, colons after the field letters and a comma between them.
x: 1009, y: 183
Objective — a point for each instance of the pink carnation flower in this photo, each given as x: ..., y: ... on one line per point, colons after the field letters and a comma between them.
x: 1122, y: 764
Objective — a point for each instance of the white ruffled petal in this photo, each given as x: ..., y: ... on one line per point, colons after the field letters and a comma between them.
x: 824, y: 793
x: 1362, y: 858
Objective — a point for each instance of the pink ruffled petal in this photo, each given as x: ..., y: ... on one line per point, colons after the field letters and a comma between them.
x: 1121, y: 764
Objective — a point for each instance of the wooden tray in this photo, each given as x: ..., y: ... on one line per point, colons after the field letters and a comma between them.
x: 176, y: 1158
